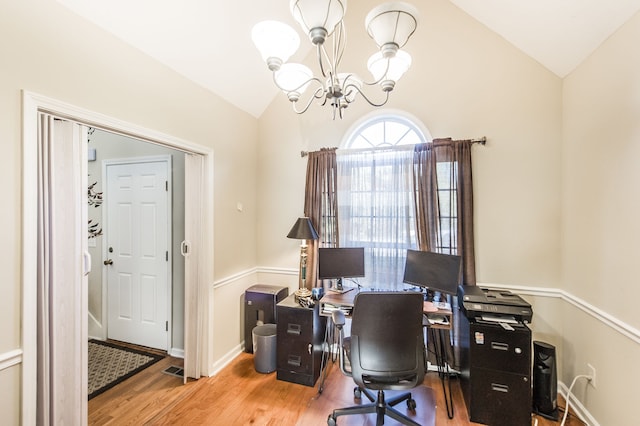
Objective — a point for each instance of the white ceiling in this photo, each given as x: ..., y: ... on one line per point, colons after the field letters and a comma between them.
x: 184, y: 35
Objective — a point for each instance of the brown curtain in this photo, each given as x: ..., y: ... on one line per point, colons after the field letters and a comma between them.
x: 428, y: 210
x: 429, y: 232
x: 321, y: 205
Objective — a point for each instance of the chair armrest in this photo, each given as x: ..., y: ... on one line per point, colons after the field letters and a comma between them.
x: 338, y: 318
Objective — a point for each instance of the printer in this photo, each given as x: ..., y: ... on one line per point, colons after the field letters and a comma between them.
x: 495, y: 305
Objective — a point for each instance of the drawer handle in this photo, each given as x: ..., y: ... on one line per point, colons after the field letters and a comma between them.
x: 499, y: 346
x: 293, y: 329
x: 499, y: 388
x: 294, y: 360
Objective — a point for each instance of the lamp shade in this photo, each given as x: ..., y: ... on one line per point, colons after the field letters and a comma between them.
x: 392, y: 22
x: 312, y: 14
x: 303, y: 230
x: 397, y: 65
x: 275, y: 40
x: 293, y: 77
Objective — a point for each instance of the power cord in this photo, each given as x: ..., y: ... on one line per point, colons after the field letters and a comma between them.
x: 566, y: 410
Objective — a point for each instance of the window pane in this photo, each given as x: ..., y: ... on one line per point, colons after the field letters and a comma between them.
x: 396, y: 132
x: 376, y: 203
x: 374, y: 134
x: 443, y: 171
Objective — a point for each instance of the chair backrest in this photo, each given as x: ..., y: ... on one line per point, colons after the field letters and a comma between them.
x: 387, y: 340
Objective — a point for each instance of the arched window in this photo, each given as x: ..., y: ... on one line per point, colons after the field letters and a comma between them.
x: 376, y: 206
x: 385, y: 131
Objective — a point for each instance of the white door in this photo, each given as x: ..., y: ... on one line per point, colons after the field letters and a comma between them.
x: 137, y: 262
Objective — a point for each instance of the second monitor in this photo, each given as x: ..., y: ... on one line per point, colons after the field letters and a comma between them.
x: 340, y: 262
x: 434, y: 271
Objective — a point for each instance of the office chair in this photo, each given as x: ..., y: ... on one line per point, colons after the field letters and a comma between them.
x: 385, y: 352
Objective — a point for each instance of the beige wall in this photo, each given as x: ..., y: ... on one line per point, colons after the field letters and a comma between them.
x: 601, y: 206
x: 555, y: 201
x: 601, y: 174
x: 50, y: 51
x: 465, y: 82
x: 554, y: 187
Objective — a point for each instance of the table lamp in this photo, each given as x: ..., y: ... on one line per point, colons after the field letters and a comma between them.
x: 303, y: 230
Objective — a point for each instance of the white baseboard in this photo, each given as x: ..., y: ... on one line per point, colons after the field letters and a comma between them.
x: 226, y: 359
x: 577, y: 406
x: 176, y: 352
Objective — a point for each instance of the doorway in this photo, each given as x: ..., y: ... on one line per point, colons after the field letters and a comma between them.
x: 197, y: 300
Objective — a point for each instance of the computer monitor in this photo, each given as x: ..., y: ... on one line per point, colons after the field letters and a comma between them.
x: 342, y: 262
x: 434, y: 271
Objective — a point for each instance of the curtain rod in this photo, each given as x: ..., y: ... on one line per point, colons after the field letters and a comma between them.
x: 481, y: 141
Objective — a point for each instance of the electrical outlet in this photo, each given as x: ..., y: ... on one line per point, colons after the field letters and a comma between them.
x: 591, y: 371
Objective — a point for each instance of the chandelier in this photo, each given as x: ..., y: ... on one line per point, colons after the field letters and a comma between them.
x: 389, y: 25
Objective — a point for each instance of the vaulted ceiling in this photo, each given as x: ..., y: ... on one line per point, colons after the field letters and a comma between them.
x: 185, y: 35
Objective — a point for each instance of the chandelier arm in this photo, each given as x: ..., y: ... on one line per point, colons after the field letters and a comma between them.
x: 312, y: 79
x: 318, y: 94
x: 382, y: 77
x: 369, y: 101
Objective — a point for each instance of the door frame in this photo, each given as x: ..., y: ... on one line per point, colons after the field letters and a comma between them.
x: 166, y: 159
x: 32, y: 104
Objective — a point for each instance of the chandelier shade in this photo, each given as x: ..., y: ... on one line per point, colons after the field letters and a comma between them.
x: 389, y: 68
x: 275, y: 40
x: 390, y: 25
x: 318, y: 15
x: 293, y: 78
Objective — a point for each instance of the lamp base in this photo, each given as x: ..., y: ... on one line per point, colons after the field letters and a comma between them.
x: 302, y: 292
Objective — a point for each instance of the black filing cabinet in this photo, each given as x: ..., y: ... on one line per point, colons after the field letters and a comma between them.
x: 496, y: 372
x: 300, y: 341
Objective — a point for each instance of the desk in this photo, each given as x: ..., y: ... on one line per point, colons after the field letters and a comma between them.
x: 438, y: 315
x: 437, y: 321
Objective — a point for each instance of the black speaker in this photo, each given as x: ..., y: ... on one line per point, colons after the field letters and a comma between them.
x: 545, y: 380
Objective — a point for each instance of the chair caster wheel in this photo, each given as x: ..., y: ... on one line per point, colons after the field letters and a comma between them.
x: 331, y: 421
x: 357, y: 393
x: 411, y: 404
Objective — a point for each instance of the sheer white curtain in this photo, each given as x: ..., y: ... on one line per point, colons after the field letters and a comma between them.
x: 376, y: 211
x: 61, y: 274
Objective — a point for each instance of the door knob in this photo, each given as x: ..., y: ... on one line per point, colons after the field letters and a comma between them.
x: 108, y: 262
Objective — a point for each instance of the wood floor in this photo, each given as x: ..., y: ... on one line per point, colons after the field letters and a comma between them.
x: 238, y: 395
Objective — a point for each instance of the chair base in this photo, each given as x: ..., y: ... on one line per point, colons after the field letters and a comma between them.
x: 380, y: 406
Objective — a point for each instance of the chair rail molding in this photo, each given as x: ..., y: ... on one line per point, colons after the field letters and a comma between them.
x: 11, y: 358
x: 597, y: 313
x: 235, y: 278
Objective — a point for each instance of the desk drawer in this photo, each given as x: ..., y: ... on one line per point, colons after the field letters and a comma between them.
x: 493, y: 347
x: 499, y: 398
